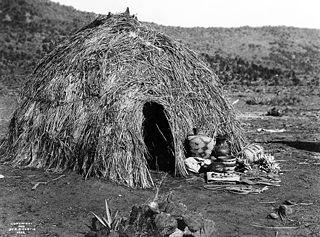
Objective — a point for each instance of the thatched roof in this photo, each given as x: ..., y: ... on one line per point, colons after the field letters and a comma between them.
x: 83, y: 107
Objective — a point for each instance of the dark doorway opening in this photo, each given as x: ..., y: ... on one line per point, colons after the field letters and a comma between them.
x: 158, y: 138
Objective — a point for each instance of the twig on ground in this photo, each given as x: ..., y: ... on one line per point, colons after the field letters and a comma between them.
x: 220, y: 185
x: 36, y: 184
x: 9, y: 176
x: 305, y: 204
x: 275, y: 227
x: 155, y: 199
x: 271, y: 202
x: 215, y: 188
x: 58, y: 178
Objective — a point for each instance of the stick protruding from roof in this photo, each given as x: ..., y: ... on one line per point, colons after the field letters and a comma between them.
x: 127, y: 11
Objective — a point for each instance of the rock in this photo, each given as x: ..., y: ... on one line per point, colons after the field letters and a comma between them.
x: 208, y: 230
x: 284, y: 210
x: 129, y: 231
x: 102, y: 233
x: 165, y: 223
x: 274, y: 112
x: 154, y: 207
x: 163, y: 206
x: 174, y: 209
x: 193, y: 221
x: 140, y: 215
x: 141, y: 220
x: 177, y: 233
x: 135, y: 214
x: 187, y: 232
x: 273, y: 215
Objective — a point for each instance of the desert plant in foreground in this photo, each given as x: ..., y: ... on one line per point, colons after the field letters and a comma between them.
x: 109, y: 223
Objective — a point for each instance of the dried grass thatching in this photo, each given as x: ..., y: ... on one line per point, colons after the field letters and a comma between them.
x: 83, y: 107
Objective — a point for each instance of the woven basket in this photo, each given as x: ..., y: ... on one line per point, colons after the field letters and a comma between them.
x: 201, y: 145
x: 252, y: 152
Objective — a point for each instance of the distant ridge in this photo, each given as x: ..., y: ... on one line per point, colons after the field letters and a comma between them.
x: 30, y: 28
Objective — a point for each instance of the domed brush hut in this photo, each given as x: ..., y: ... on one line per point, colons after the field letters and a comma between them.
x: 115, y: 100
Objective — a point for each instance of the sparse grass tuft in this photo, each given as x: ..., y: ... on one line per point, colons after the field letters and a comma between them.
x: 279, y: 100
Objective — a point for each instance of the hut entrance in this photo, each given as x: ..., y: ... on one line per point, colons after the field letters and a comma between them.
x: 158, y: 138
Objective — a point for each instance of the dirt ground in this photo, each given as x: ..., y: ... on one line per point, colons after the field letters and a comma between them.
x: 63, y: 206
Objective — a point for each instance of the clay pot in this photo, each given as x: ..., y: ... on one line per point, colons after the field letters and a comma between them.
x: 222, y: 147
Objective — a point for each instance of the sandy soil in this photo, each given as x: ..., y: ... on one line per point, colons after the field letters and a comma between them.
x: 63, y: 206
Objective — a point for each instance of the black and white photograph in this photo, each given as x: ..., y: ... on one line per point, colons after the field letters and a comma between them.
x: 149, y: 118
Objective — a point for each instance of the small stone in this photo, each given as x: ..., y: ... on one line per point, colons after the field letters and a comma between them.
x: 187, y: 232
x: 274, y: 112
x: 273, y: 215
x: 193, y: 221
x: 208, y: 230
x: 285, y: 210
x: 177, y: 233
x: 174, y: 209
x: 165, y: 223
x: 154, y: 207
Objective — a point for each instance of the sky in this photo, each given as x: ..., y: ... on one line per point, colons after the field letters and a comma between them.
x: 211, y: 13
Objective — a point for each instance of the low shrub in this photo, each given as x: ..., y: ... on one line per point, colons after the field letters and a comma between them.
x: 280, y: 100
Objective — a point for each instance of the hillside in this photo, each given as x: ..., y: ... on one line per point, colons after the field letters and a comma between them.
x: 267, y: 55
x: 286, y: 47
x: 28, y: 30
x: 257, y: 53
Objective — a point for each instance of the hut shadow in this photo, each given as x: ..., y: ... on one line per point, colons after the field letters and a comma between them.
x: 158, y: 138
x: 301, y: 145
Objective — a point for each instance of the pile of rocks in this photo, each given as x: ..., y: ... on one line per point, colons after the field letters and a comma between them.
x: 164, y: 218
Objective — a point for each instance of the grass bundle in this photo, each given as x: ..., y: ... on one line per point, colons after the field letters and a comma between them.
x: 83, y: 106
